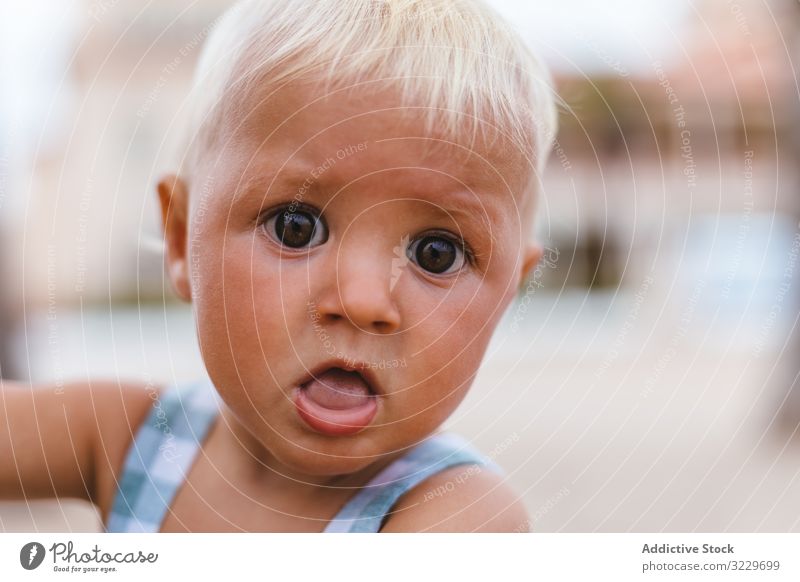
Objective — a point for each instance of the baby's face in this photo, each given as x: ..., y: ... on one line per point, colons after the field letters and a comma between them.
x: 327, y: 234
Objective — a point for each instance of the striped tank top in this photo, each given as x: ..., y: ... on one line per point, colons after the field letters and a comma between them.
x: 166, y: 446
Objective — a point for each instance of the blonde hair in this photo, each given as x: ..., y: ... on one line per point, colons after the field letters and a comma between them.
x: 457, y: 59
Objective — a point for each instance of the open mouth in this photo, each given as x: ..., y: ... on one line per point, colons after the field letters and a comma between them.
x: 336, y: 402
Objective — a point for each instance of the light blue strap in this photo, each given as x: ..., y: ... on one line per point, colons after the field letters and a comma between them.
x: 160, y: 457
x: 366, y: 510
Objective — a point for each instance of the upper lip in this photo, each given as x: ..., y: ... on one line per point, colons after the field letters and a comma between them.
x: 362, y: 368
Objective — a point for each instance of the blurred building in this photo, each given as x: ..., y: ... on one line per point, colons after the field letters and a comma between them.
x: 710, y: 129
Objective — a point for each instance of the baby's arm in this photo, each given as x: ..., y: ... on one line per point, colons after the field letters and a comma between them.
x: 460, y: 499
x: 66, y: 441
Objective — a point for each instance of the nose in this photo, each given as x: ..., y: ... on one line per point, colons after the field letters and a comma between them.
x: 356, y: 286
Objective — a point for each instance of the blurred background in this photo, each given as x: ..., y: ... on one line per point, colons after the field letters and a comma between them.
x: 646, y: 379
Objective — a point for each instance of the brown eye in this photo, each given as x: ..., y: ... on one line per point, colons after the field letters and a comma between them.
x: 296, y: 228
x: 436, y: 254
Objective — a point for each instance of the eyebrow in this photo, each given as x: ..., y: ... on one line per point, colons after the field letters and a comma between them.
x: 460, y: 203
x: 259, y: 183
x: 457, y: 202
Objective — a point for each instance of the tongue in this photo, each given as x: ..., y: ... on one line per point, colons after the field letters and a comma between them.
x: 338, y: 389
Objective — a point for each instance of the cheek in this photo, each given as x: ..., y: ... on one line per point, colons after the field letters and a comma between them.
x: 461, y: 320
x: 244, y: 303
x: 456, y: 337
x: 449, y: 346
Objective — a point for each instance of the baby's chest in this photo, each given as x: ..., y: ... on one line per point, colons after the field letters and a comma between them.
x: 207, y: 502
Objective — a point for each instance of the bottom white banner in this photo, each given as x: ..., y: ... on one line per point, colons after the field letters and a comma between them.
x: 496, y: 557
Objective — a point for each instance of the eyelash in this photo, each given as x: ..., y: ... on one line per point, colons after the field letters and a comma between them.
x: 470, y: 256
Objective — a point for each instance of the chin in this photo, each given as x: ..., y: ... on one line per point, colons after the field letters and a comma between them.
x: 325, y: 461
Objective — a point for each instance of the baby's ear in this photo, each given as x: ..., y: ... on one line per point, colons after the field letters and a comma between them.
x: 173, y: 194
x: 531, y: 256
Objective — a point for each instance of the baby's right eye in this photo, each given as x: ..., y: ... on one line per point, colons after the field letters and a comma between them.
x: 296, y: 227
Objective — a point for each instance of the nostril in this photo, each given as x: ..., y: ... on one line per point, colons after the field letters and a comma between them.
x: 362, y: 310
x: 383, y: 326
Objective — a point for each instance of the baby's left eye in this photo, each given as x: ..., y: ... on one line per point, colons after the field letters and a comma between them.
x: 437, y: 254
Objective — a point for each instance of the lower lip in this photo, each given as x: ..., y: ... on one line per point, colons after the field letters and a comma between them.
x: 334, y: 422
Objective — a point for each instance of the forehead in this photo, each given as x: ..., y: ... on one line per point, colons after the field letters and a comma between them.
x: 363, y: 136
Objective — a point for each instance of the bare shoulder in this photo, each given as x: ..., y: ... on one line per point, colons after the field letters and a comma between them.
x: 120, y: 409
x: 465, y: 498
x: 65, y: 439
